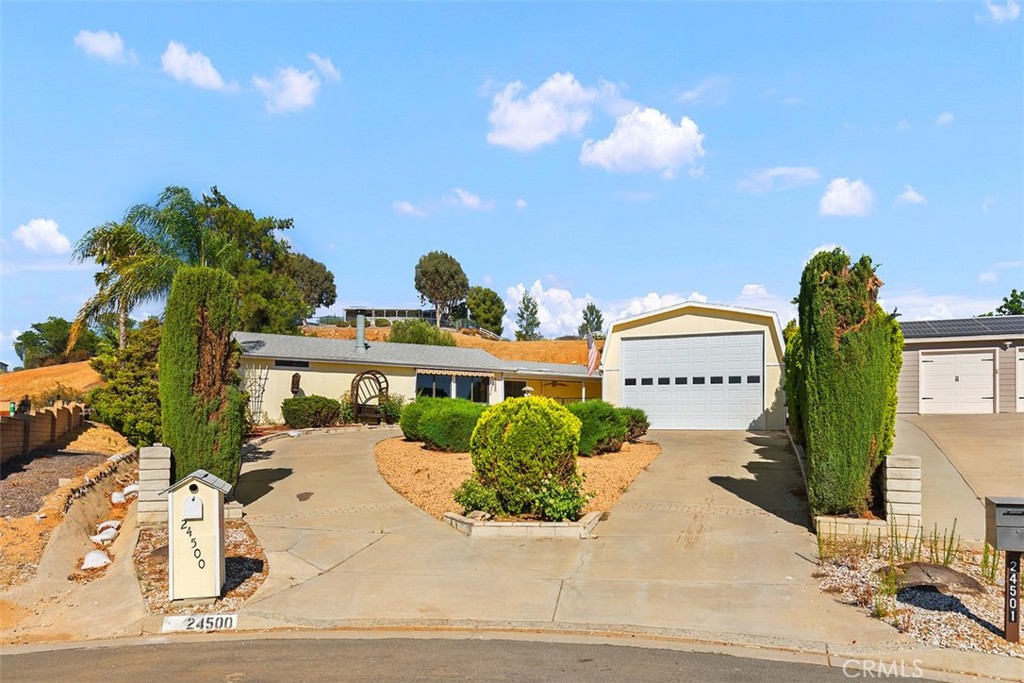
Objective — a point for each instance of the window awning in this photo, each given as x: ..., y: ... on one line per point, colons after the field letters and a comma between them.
x: 455, y: 373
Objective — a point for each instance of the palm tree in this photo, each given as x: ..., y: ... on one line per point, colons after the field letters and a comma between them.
x: 141, y: 254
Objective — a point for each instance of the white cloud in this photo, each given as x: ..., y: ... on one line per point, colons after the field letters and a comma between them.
x: 989, y: 276
x: 643, y: 140
x: 467, y: 200
x: 828, y: 246
x: 987, y: 203
x: 520, y: 204
x: 559, y: 311
x: 1000, y: 13
x: 42, y: 235
x: 780, y: 178
x: 104, y: 45
x: 652, y: 301
x: 910, y: 196
x: 290, y: 90
x: 903, y: 125
x: 916, y: 304
x: 945, y: 118
x: 712, y: 89
x: 758, y: 296
x: 560, y: 107
x: 325, y: 66
x: 191, y: 67
x: 408, y: 208
x: 845, y: 198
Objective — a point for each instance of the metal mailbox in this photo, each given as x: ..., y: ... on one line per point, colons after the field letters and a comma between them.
x: 195, y: 562
x: 1004, y: 523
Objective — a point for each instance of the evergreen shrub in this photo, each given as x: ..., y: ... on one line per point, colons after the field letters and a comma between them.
x: 637, y: 423
x: 447, y: 424
x: 303, y: 412
x: 603, y: 427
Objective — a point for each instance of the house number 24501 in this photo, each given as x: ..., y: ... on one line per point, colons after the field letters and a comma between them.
x: 196, y: 552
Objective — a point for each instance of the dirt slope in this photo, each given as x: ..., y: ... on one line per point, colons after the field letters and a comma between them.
x: 545, y: 351
x: 14, y: 385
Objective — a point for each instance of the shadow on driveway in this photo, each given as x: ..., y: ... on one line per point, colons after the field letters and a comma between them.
x: 255, y: 484
x: 777, y: 487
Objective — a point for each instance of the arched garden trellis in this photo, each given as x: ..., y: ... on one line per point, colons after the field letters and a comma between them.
x: 369, y: 389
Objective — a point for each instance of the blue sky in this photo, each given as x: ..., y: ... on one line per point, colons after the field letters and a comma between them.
x: 634, y: 155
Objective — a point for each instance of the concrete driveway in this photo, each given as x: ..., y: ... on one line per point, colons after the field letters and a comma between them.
x: 964, y: 458
x: 711, y: 540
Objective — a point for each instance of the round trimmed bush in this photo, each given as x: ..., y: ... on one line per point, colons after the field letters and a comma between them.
x: 447, y: 424
x: 301, y: 412
x: 604, y: 427
x: 521, y: 445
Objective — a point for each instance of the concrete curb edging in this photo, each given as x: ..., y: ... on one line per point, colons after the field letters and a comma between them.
x: 481, y: 529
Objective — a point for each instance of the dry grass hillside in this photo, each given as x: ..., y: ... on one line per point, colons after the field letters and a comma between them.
x: 545, y: 351
x: 79, y: 376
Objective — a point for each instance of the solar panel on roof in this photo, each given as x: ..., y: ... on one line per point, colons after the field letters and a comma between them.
x: 964, y: 327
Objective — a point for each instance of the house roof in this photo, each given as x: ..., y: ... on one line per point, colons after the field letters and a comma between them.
x: 700, y: 305
x: 289, y: 347
x: 203, y: 476
x: 994, y: 326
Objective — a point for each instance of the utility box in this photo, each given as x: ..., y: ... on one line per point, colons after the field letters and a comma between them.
x: 1004, y: 523
x: 195, y: 557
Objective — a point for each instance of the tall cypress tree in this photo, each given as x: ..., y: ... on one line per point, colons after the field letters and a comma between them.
x: 846, y: 339
x: 202, y: 411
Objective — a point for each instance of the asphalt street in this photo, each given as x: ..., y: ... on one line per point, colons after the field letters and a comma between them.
x: 401, y: 659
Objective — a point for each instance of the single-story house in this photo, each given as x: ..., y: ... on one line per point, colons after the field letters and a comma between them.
x: 698, y: 366
x: 274, y: 365
x: 969, y: 365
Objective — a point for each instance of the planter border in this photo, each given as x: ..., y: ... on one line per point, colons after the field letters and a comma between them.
x: 480, y: 529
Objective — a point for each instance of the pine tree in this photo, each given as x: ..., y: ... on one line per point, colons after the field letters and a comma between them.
x: 527, y: 320
x: 593, y: 321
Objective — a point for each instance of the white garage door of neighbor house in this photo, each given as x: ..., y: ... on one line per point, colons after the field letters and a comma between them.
x: 961, y: 382
x: 711, y: 381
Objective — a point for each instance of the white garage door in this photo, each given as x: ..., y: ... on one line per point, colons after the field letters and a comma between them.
x: 960, y: 382
x: 713, y: 381
x: 1020, y: 380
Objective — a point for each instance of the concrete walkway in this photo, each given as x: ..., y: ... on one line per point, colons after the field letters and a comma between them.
x: 964, y: 458
x: 712, y: 539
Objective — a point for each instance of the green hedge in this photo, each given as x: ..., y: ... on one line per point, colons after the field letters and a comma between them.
x: 302, y: 412
x: 520, y: 446
x: 603, y: 427
x: 202, y: 412
x: 448, y: 423
x: 419, y: 332
x: 845, y: 399
x: 411, y: 414
x: 637, y: 423
x: 793, y: 381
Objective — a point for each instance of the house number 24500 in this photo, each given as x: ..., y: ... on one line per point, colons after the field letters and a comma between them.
x: 196, y: 552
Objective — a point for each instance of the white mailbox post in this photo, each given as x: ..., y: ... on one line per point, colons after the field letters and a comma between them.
x: 195, y: 557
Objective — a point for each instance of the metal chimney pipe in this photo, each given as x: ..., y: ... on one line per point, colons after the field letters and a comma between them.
x: 360, y: 333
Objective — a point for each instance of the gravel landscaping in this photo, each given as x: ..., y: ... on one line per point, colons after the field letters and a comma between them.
x: 962, y: 620
x: 427, y: 478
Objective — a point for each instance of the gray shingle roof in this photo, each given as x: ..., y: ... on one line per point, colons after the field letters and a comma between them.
x: 1005, y: 325
x: 288, y: 347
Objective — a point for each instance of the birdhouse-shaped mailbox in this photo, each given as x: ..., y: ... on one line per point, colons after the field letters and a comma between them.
x: 195, y: 557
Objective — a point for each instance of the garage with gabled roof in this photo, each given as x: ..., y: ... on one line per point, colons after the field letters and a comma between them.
x: 698, y: 366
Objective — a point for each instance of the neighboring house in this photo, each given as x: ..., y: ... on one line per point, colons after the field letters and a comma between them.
x: 969, y: 365
x: 3, y: 367
x: 326, y: 367
x: 698, y: 366
x: 391, y: 314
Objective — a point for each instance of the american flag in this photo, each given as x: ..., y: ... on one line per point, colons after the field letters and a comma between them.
x: 591, y: 354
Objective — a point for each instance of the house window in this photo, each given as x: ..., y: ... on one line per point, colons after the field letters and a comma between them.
x: 471, y: 388
x: 663, y: 381
x: 716, y: 380
x: 735, y: 379
x: 753, y: 379
x: 647, y: 381
x: 514, y: 388
x: 698, y: 380
x: 631, y: 381
x: 434, y: 386
x: 291, y: 363
x: 680, y: 380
